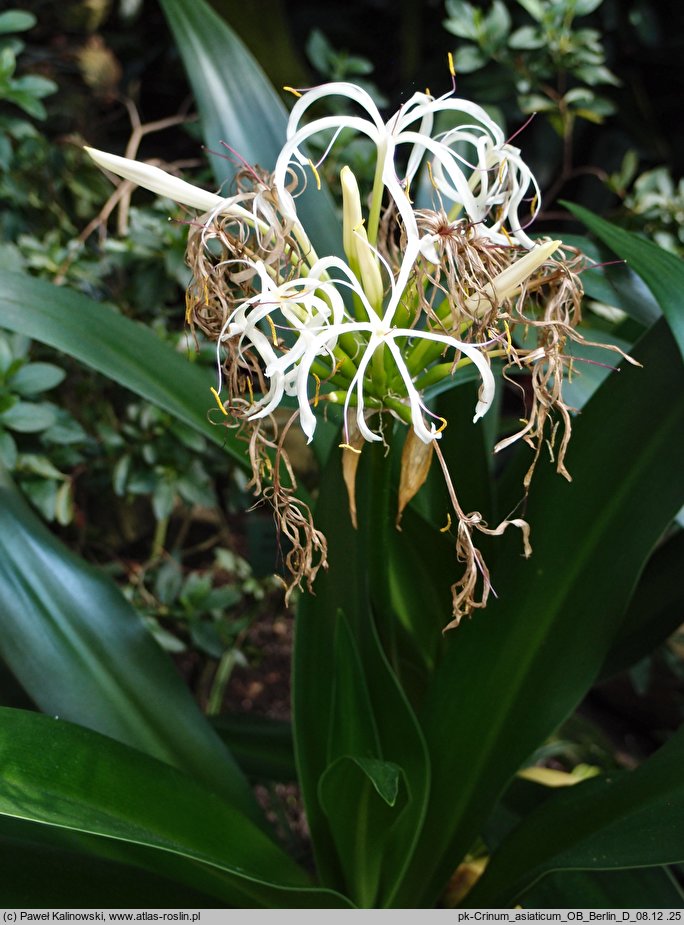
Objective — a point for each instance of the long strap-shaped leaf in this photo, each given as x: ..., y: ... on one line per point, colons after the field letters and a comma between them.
x: 123, y: 350
x: 239, y: 107
x: 83, y: 654
x: 661, y: 271
x: 63, y: 775
x: 348, y: 705
x: 633, y: 819
x: 514, y: 672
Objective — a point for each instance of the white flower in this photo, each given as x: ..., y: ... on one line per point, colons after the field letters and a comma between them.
x: 165, y: 184
x: 315, y: 312
x: 490, y: 178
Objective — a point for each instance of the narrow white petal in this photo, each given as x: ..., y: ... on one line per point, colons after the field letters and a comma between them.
x: 163, y: 184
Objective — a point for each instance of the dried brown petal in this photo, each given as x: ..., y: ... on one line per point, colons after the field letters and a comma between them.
x: 416, y: 458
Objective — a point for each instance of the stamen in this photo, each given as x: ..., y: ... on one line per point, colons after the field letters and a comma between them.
x: 292, y: 90
x: 521, y: 129
x: 315, y: 173
x: 218, y: 400
x: 348, y: 446
x: 507, y: 236
x: 448, y: 524
x: 318, y: 389
x: 273, y: 330
x: 452, y: 69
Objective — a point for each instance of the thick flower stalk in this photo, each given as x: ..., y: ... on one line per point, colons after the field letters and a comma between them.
x: 438, y: 274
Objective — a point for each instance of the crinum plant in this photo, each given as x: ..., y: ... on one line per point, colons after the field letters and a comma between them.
x: 406, y: 744
x: 420, y: 294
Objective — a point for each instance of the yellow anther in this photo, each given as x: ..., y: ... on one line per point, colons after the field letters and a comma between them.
x: 534, y: 203
x: 315, y: 173
x: 218, y: 401
x: 408, y: 192
x: 452, y: 69
x: 427, y: 91
x: 348, y: 446
x: 509, y: 341
x: 292, y: 90
x: 502, y: 168
x: 444, y: 424
x: 507, y: 236
x: 430, y: 174
x: 249, y: 389
x: 188, y: 307
x: 273, y: 330
x: 318, y: 390
x: 448, y: 524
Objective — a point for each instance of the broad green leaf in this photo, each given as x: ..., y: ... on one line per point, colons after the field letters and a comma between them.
x: 513, y: 673
x: 28, y: 417
x: 353, y: 579
x: 45, y: 867
x: 66, y: 776
x: 362, y: 821
x: 36, y: 377
x: 662, y: 272
x: 654, y: 612
x: 353, y: 790
x: 83, y: 654
x: 261, y: 746
x: 16, y: 21
x: 616, y: 284
x: 121, y: 349
x: 239, y: 107
x: 629, y: 819
x: 640, y: 888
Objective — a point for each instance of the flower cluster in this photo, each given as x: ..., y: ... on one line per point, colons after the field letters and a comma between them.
x: 436, y: 273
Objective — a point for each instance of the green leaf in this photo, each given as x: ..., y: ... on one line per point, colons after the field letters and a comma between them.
x: 8, y: 450
x: 383, y: 775
x: 123, y: 350
x: 16, y: 21
x: 36, y: 377
x: 83, y: 654
x: 640, y: 888
x: 512, y: 675
x: 654, y: 612
x: 662, y: 272
x: 63, y: 775
x: 346, y: 696
x: 630, y: 819
x: 239, y: 106
x: 468, y: 58
x: 261, y: 746
x: 45, y: 867
x: 28, y: 418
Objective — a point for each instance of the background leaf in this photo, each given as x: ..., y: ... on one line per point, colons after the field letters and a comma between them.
x: 82, y: 781
x: 388, y: 724
x: 239, y: 106
x: 662, y: 272
x: 511, y: 675
x: 629, y: 819
x: 83, y: 654
x: 123, y: 350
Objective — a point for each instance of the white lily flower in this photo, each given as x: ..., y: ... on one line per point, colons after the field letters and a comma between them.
x: 497, y: 179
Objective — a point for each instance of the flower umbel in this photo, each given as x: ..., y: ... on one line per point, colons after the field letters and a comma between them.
x: 421, y: 294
